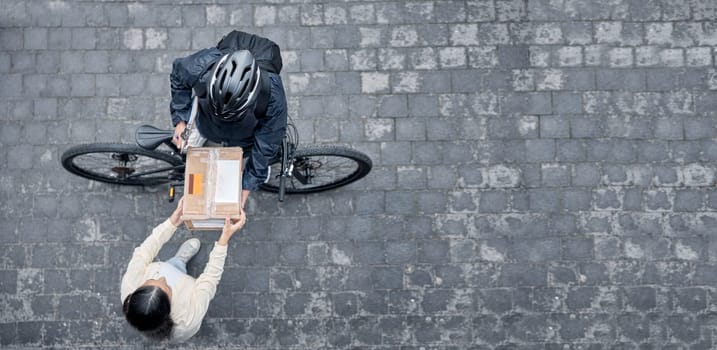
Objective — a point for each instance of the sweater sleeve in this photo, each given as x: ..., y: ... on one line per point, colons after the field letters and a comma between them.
x: 143, y: 256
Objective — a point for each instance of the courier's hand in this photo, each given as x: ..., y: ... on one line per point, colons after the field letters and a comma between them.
x: 244, y: 196
x: 178, y: 130
x: 176, y: 217
x: 231, y: 227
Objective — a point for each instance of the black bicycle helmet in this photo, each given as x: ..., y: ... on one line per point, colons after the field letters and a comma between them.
x: 233, y: 86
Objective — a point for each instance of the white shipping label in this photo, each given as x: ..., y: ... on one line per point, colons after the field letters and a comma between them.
x: 227, y: 187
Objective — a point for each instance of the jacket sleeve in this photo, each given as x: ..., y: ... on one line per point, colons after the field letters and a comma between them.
x: 143, y: 256
x: 186, y: 73
x: 206, y: 285
x: 181, y: 102
x: 267, y: 137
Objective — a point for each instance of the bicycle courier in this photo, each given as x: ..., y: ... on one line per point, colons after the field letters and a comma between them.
x: 261, y: 127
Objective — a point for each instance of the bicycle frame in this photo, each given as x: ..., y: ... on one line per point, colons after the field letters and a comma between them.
x: 294, y: 170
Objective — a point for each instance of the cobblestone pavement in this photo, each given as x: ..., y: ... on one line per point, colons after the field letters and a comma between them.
x: 543, y: 176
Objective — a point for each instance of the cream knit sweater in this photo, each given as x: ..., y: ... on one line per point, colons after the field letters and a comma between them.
x: 190, y: 299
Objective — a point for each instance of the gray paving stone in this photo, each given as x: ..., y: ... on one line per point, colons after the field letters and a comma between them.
x: 410, y: 130
x: 513, y: 56
x: 530, y: 103
x: 554, y: 127
x: 514, y: 275
x: 22, y: 62
x: 621, y: 80
x: 570, y: 151
x: 577, y: 200
x: 555, y: 175
x: 632, y: 199
x: 395, y: 153
x: 5, y: 62
x: 29, y: 333
x: 578, y: 249
x: 698, y: 128
x: 600, y: 228
x: 493, y: 201
x: 534, y: 251
x: 690, y: 299
x: 688, y: 200
x: 411, y: 177
x: 540, y: 150
x: 9, y: 281
x: 432, y: 202
x: 393, y: 106
x: 654, y: 152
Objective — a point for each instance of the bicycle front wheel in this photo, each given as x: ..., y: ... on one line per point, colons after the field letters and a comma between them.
x: 121, y: 164
x: 320, y: 168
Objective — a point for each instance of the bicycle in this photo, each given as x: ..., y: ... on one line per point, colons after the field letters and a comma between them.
x: 314, y: 168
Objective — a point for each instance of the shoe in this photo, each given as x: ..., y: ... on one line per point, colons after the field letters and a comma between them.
x: 188, y: 250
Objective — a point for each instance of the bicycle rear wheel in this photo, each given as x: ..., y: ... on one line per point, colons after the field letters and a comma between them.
x: 121, y: 164
x: 320, y: 168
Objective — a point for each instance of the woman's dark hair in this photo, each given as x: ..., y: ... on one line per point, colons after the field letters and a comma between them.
x: 147, y: 309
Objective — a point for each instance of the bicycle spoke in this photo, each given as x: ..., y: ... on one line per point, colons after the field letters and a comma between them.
x: 323, y: 170
x: 123, y: 166
x: 134, y: 175
x: 320, y: 168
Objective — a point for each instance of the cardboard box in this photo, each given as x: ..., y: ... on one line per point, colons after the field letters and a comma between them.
x: 212, y: 186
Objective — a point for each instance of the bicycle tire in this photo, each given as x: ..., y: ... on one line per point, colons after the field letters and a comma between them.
x: 353, y: 163
x: 114, y: 163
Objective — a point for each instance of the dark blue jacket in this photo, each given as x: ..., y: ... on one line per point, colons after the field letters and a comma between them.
x: 260, y: 137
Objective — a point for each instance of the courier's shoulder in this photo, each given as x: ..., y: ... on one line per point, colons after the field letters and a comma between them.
x: 196, y: 62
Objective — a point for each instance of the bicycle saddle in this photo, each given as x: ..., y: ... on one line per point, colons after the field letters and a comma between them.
x: 149, y: 137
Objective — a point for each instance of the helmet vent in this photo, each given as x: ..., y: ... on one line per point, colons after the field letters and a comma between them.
x: 234, y: 68
x: 245, y: 86
x: 224, y: 77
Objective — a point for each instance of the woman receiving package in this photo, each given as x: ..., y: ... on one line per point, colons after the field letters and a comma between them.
x: 159, y: 298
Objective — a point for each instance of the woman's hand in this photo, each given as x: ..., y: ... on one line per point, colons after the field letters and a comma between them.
x: 231, y: 227
x: 176, y: 217
x: 178, y: 130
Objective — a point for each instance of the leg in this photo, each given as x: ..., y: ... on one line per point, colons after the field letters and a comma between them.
x: 178, y: 263
x: 186, y: 252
